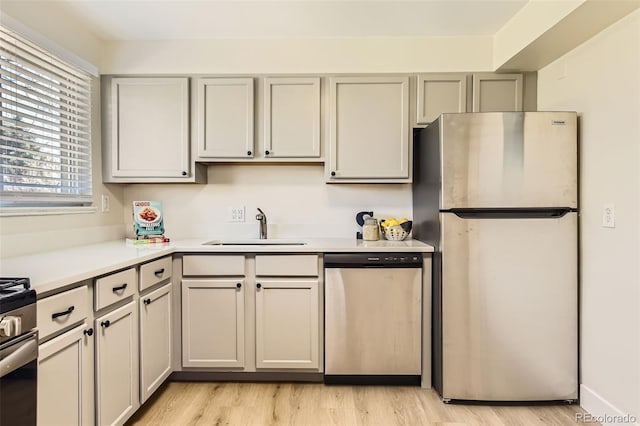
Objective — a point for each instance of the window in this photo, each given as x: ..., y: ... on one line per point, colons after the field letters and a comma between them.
x: 45, y: 127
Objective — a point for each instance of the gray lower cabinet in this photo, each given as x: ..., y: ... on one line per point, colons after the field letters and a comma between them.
x: 213, y: 323
x: 269, y: 319
x: 65, y: 379
x: 65, y: 359
x: 155, y: 339
x: 287, y: 323
x: 117, y: 365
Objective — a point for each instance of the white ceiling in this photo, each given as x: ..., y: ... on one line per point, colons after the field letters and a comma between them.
x: 210, y: 19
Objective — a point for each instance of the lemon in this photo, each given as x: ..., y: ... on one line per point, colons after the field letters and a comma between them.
x: 403, y: 220
x: 392, y: 222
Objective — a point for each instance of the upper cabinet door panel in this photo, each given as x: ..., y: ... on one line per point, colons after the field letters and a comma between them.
x: 438, y: 93
x: 497, y: 92
x: 292, y: 117
x: 224, y: 114
x: 150, y: 127
x: 369, y: 129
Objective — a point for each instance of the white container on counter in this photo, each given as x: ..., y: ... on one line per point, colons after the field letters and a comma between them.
x: 370, y: 230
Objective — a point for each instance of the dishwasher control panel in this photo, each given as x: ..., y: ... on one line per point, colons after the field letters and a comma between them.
x: 372, y: 260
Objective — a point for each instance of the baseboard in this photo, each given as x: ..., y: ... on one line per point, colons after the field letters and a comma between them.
x: 234, y: 376
x: 600, y: 410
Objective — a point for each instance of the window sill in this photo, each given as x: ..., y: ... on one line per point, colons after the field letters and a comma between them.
x: 45, y: 211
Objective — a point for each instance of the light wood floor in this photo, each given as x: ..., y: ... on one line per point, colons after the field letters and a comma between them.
x: 186, y: 403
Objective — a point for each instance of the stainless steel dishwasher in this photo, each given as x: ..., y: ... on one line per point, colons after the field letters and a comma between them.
x: 372, y: 318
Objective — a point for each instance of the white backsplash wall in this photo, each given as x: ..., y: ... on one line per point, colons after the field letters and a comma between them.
x: 297, y: 202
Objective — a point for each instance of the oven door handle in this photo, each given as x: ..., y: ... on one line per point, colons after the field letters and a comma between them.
x: 12, y: 358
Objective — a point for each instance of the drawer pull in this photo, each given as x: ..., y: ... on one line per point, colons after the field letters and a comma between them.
x: 259, y: 285
x: 88, y: 332
x: 61, y: 314
x: 147, y: 301
x: 120, y: 287
x: 238, y: 285
x: 106, y: 323
x: 159, y: 272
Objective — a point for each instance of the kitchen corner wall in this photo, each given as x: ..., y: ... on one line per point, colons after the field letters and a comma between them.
x: 600, y: 80
x: 22, y: 235
x: 295, y: 199
x: 32, y: 234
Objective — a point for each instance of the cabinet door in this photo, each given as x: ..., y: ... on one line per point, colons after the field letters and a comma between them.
x: 292, y: 117
x: 438, y: 93
x: 117, y: 365
x: 287, y: 323
x: 224, y: 114
x: 155, y: 340
x: 65, y: 379
x: 369, y: 129
x: 150, y: 127
x: 497, y: 92
x: 213, y: 323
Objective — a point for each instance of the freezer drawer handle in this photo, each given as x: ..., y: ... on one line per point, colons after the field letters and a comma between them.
x: 512, y: 213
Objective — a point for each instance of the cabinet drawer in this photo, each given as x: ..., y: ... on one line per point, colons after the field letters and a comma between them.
x: 154, y: 272
x: 115, y: 287
x: 287, y: 265
x: 195, y: 265
x: 62, y: 310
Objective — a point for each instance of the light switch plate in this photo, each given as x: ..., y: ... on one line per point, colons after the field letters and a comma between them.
x: 609, y: 215
x: 236, y: 214
x: 105, y: 203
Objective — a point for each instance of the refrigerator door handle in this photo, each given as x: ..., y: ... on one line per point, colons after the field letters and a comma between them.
x: 512, y: 213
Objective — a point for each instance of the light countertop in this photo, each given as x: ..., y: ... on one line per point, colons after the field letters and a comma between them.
x: 55, y: 270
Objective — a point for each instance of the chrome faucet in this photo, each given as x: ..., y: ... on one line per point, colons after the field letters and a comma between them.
x: 263, y: 224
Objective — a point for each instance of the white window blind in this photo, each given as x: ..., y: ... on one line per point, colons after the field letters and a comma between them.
x: 45, y: 127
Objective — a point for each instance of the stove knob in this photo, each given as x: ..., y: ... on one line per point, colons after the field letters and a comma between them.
x: 10, y: 326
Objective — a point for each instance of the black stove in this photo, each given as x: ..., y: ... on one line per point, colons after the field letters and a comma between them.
x: 17, y: 308
x: 15, y: 293
x: 18, y: 353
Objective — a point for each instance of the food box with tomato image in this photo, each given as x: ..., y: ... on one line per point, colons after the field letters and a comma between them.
x: 147, y: 218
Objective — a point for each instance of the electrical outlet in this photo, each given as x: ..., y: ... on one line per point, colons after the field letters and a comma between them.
x: 609, y: 216
x: 236, y: 214
x: 105, y: 203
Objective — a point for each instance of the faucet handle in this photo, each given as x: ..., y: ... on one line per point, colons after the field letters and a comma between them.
x: 261, y: 215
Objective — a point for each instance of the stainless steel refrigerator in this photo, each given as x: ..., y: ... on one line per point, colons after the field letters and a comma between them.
x: 496, y: 194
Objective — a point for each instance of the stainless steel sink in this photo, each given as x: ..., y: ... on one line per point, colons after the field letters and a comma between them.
x: 254, y: 243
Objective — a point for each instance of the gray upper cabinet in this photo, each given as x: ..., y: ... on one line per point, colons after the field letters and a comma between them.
x: 497, y: 92
x: 292, y: 117
x: 224, y: 114
x: 438, y: 93
x: 146, y: 130
x: 369, y: 130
